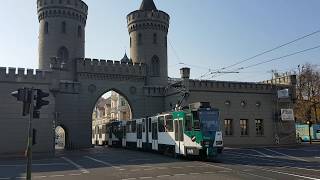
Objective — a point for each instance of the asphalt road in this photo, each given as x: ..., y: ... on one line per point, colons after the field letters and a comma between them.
x: 119, y: 164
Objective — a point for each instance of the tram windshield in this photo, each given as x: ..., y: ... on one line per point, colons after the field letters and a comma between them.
x: 209, y: 122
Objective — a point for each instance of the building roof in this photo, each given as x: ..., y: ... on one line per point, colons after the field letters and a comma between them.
x: 148, y: 5
x: 125, y: 59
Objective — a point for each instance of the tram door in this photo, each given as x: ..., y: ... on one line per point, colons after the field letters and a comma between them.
x: 139, y: 135
x: 154, y: 129
x: 124, y: 139
x: 178, y: 136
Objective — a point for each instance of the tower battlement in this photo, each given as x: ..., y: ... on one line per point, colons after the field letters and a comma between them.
x: 22, y: 75
x: 96, y: 66
x: 154, y: 19
x: 75, y: 9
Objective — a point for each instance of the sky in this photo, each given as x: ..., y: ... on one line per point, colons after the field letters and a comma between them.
x: 203, y: 34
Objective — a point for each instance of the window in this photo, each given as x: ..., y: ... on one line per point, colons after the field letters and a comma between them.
x: 149, y: 124
x: 143, y: 125
x: 244, y: 127
x: 155, y: 66
x: 63, y: 54
x: 155, y: 38
x: 139, y: 39
x: 133, y: 126
x: 196, y: 121
x: 123, y: 103
x: 46, y: 28
x: 228, y: 129
x: 188, y: 123
x: 169, y: 123
x: 64, y: 27
x: 259, y: 127
x: 79, y: 32
x: 130, y: 41
x: 161, y: 124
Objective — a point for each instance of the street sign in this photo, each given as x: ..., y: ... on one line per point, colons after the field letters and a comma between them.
x: 287, y: 115
x: 284, y: 93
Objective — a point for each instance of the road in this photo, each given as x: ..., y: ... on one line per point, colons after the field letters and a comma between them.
x: 120, y: 164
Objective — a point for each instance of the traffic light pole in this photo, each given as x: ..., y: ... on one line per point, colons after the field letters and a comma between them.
x: 29, y: 148
x: 310, y: 140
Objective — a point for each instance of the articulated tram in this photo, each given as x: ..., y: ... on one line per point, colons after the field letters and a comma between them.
x: 193, y: 131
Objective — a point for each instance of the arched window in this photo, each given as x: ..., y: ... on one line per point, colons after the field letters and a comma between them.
x: 46, y: 27
x: 155, y: 38
x: 139, y: 39
x: 63, y: 54
x: 64, y: 27
x: 155, y: 66
x: 79, y: 32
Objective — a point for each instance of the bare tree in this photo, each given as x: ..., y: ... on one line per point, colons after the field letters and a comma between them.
x: 308, y: 94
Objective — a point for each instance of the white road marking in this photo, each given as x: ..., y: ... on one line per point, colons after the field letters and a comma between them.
x: 145, y: 177
x: 102, y: 162
x: 133, y: 160
x: 290, y: 174
x: 162, y: 168
x: 83, y: 170
x: 74, y: 174
x: 208, y: 172
x: 225, y: 168
x: 194, y: 173
x: 23, y: 165
x: 39, y: 177
x: 21, y: 178
x: 179, y: 174
x: 256, y: 157
x: 317, y: 170
x: 58, y: 175
x: 150, y: 169
x: 317, y: 157
x: 5, y: 178
x: 260, y: 177
x: 163, y: 176
x: 300, y: 159
x: 265, y: 155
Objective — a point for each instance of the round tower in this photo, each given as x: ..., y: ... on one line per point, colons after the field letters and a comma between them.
x: 148, y: 30
x: 62, y: 31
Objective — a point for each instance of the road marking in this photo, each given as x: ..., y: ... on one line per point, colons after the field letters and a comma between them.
x: 58, y: 175
x: 194, y: 173
x: 260, y: 177
x: 39, y: 177
x: 290, y: 174
x: 317, y: 170
x: 218, y: 166
x: 4, y: 178
x: 162, y: 168
x: 133, y: 160
x: 23, y: 165
x: 130, y: 179
x: 21, y: 178
x: 317, y: 157
x: 179, y: 174
x: 102, y: 162
x: 74, y: 174
x: 83, y: 170
x: 150, y: 169
x: 208, y: 172
x: 177, y: 167
x: 300, y: 159
x: 256, y: 157
x: 145, y: 177
x: 163, y: 176
x: 263, y: 154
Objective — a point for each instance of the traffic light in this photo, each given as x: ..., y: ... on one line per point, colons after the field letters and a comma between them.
x: 24, y: 95
x: 39, y: 101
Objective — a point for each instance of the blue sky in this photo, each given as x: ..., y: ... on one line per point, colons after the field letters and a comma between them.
x: 203, y: 33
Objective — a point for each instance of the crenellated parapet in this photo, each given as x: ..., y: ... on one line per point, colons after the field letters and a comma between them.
x: 75, y: 9
x: 108, y: 67
x: 156, y: 19
x: 154, y: 91
x: 225, y: 86
x: 21, y: 75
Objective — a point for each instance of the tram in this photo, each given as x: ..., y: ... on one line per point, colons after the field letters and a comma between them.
x: 192, y: 131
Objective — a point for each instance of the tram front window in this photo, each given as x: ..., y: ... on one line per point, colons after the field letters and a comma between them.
x: 209, y: 122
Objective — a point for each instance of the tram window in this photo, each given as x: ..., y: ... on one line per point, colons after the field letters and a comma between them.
x: 196, y: 120
x: 149, y: 124
x: 143, y: 125
x: 161, y: 124
x: 169, y: 123
x: 133, y: 126
x: 154, y: 131
x: 128, y: 126
x: 188, y: 123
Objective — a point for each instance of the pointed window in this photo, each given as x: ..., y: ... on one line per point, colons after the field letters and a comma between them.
x: 79, y: 32
x: 155, y: 66
x: 46, y: 28
x: 155, y: 38
x: 139, y: 39
x: 64, y: 27
x: 63, y: 54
